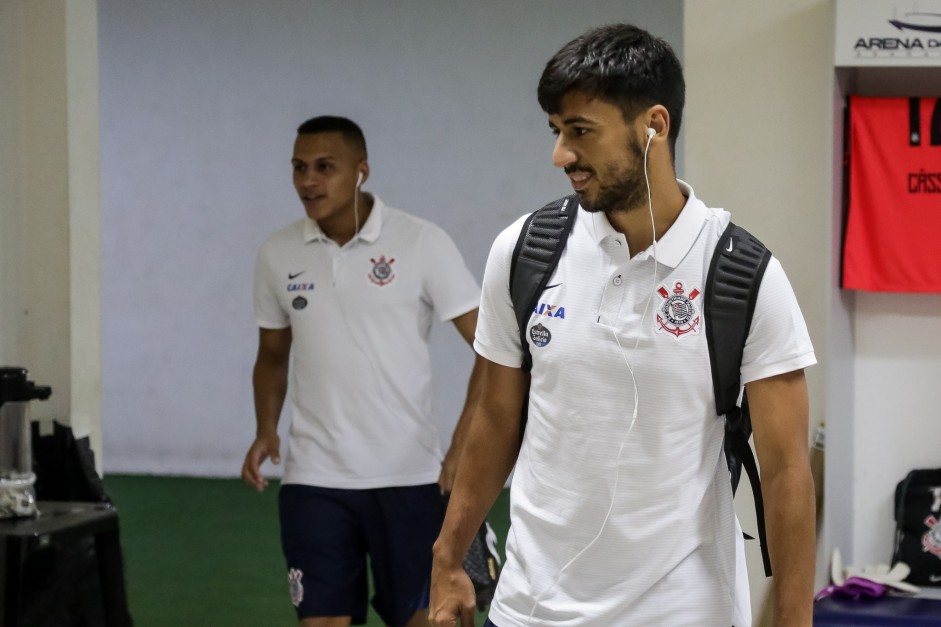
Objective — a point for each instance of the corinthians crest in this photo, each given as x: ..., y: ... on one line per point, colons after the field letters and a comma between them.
x: 382, y: 272
x: 678, y: 314
x: 931, y: 541
x: 295, y: 575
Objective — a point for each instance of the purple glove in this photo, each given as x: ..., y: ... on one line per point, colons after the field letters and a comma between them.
x: 853, y: 588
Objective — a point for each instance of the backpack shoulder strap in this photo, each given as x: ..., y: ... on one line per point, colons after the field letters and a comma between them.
x: 538, y: 250
x: 732, y: 284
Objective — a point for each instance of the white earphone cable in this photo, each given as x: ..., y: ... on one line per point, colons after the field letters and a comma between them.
x: 630, y: 369
x: 356, y: 208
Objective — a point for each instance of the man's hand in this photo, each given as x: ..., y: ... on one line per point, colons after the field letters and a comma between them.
x: 485, y: 459
x: 264, y: 447
x: 452, y: 596
x: 270, y: 385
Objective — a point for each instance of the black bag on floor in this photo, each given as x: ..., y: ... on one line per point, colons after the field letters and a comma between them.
x: 918, y: 526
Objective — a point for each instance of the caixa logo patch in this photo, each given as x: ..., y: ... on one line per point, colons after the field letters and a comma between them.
x: 300, y: 287
x: 553, y: 311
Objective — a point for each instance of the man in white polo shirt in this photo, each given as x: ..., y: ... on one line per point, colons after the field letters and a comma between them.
x: 621, y: 505
x: 350, y: 292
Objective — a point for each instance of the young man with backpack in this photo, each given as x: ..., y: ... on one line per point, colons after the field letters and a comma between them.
x: 621, y: 503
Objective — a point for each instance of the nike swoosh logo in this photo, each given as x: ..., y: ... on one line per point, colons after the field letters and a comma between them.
x: 291, y: 277
x: 920, y: 27
x: 934, y: 578
x: 729, y: 249
x: 549, y: 287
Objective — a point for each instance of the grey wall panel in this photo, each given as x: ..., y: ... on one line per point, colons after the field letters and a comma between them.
x: 199, y: 103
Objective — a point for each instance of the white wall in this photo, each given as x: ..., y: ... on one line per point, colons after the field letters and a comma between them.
x: 758, y: 136
x: 36, y: 322
x: 199, y: 105
x: 10, y: 194
x: 897, y: 428
x: 84, y: 221
x: 49, y: 310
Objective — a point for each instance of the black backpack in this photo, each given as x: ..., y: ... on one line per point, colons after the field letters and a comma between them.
x: 917, y: 526
x: 729, y: 296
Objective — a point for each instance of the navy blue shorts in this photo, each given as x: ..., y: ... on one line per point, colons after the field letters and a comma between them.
x: 327, y: 533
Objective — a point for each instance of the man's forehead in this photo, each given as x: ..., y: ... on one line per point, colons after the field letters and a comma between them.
x: 312, y: 155
x: 581, y: 108
x: 322, y: 146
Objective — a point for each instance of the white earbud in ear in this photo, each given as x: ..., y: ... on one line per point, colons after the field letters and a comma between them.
x: 359, y: 179
x: 651, y: 132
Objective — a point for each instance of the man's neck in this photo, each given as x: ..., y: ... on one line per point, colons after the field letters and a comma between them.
x: 342, y: 228
x: 668, y: 202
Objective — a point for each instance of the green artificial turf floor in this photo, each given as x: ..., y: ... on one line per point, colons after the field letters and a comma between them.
x: 205, y: 552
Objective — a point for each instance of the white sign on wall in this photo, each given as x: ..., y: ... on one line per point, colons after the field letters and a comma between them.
x: 888, y: 33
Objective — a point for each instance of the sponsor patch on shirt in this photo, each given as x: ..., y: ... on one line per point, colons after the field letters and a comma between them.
x: 679, y: 313
x: 299, y: 303
x: 553, y: 311
x: 300, y: 287
x: 539, y: 335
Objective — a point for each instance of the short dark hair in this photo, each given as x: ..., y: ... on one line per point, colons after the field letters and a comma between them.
x: 335, y: 124
x: 620, y: 64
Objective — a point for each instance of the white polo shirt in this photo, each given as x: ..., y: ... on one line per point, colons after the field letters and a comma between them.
x: 360, y: 318
x: 667, y: 551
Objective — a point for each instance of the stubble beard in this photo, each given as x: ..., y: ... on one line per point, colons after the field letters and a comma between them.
x: 629, y: 189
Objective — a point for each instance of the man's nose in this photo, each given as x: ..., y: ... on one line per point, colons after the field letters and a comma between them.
x: 562, y: 155
x: 309, y: 180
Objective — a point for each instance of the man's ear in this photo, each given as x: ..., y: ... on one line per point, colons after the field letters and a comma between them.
x: 657, y: 118
x: 362, y: 173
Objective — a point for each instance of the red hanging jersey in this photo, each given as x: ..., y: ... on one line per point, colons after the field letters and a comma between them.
x: 894, y: 223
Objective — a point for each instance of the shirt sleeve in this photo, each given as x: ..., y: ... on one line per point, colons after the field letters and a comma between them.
x: 498, y: 336
x: 778, y: 341
x: 449, y: 286
x: 268, y: 311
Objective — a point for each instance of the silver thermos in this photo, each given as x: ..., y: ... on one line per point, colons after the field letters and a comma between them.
x: 17, y: 492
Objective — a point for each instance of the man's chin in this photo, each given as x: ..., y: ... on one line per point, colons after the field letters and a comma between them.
x: 587, y: 203
x: 316, y: 216
x: 608, y: 203
x: 316, y: 211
